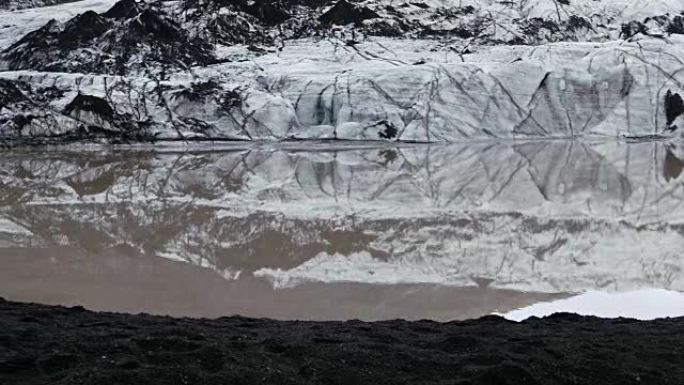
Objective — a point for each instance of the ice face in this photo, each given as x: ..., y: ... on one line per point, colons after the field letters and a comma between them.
x: 442, y: 71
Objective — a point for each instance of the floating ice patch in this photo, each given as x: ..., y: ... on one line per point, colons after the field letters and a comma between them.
x: 642, y: 304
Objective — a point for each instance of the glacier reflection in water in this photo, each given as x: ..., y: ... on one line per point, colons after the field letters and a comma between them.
x: 441, y: 232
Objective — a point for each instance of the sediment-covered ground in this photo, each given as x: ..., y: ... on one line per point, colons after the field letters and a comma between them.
x: 433, y: 70
x: 53, y: 345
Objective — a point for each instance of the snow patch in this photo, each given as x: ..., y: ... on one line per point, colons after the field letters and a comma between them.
x: 640, y: 304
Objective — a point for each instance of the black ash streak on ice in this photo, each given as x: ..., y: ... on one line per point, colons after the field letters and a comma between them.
x: 674, y: 107
x: 56, y: 345
x: 125, y: 57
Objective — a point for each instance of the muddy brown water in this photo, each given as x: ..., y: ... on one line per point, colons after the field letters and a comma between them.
x: 414, y: 232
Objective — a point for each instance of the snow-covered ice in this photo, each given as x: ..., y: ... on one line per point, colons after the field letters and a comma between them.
x: 641, y: 305
x: 440, y: 71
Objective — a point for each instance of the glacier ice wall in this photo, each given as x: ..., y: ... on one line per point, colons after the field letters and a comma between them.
x: 437, y: 72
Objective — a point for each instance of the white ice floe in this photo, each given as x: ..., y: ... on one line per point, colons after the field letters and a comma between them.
x: 641, y: 304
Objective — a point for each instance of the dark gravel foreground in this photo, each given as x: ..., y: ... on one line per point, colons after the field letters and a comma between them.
x: 54, y: 345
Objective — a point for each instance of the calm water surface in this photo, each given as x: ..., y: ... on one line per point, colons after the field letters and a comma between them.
x: 439, y: 232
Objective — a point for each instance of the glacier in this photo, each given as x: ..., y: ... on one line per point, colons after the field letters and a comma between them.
x: 433, y: 71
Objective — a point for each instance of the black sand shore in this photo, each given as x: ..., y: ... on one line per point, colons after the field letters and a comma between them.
x: 55, y: 345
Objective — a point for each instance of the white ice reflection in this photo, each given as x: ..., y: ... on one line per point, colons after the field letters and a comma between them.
x: 641, y: 304
x: 441, y: 232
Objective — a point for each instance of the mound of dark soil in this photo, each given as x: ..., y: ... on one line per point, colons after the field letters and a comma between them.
x: 122, y: 39
x: 54, y: 345
x: 123, y: 9
x: 344, y: 12
x: 91, y: 104
x: 9, y: 93
x: 269, y: 13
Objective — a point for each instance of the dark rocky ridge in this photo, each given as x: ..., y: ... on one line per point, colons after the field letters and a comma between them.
x: 46, y: 344
x: 664, y: 24
x: 344, y: 12
x: 124, y: 39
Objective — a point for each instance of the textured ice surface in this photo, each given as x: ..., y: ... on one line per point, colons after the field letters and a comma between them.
x: 438, y: 71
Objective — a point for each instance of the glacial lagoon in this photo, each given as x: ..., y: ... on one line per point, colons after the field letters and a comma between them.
x: 342, y: 231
